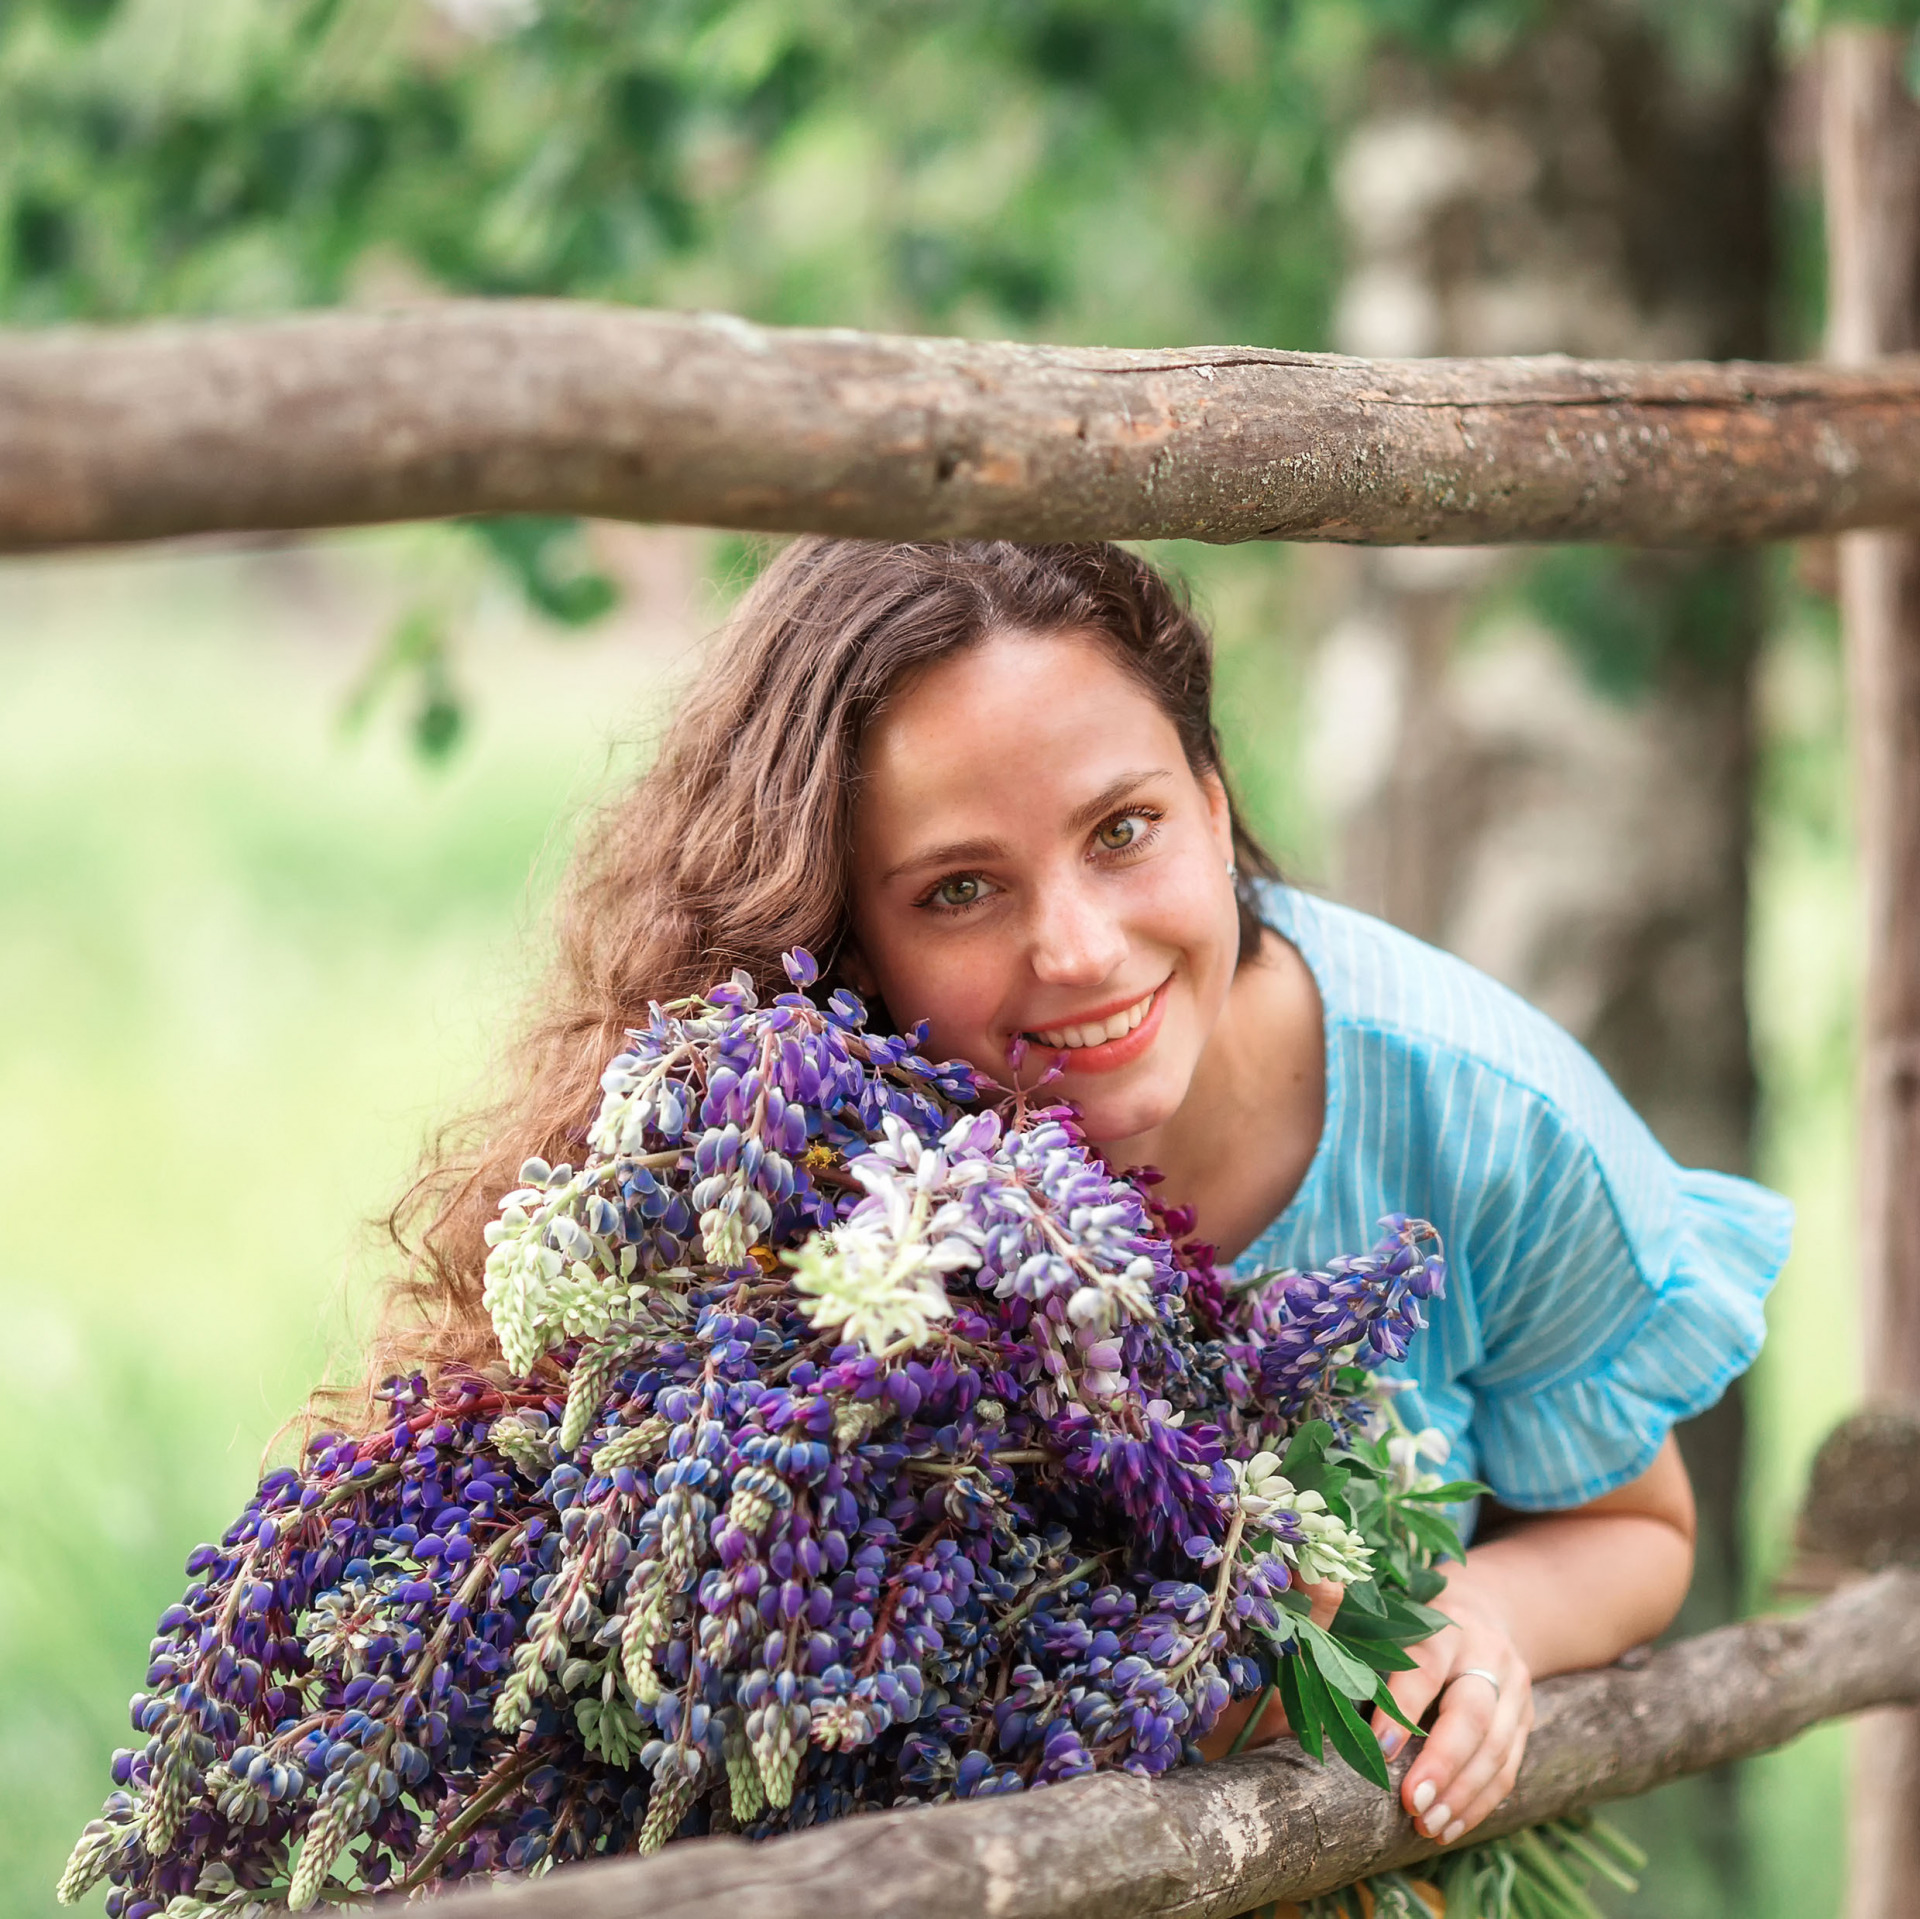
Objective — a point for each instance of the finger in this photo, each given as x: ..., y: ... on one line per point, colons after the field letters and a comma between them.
x: 1413, y: 1692
x: 1467, y: 1713
x: 1488, y: 1798
x: 1473, y: 1791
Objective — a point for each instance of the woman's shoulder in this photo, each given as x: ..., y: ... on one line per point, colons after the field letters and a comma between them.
x: 1386, y: 992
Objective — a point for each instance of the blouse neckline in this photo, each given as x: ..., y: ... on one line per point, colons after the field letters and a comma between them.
x: 1281, y: 909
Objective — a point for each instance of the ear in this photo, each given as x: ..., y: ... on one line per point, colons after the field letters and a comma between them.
x: 1219, y: 813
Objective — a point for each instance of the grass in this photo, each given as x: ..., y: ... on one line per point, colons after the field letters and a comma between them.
x: 248, y: 962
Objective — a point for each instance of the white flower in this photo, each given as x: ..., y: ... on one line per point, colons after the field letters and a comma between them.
x: 1260, y: 1486
x: 876, y: 1287
x: 1409, y: 1452
x: 1332, y: 1550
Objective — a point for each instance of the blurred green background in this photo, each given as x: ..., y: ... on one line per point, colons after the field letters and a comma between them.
x: 277, y: 823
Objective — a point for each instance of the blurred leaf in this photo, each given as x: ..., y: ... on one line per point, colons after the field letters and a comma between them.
x: 543, y: 556
x: 414, y: 653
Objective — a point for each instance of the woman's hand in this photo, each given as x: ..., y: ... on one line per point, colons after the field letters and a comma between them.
x: 1470, y: 1759
x: 1558, y: 1592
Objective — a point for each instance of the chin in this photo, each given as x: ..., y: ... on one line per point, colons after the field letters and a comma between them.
x: 1113, y: 1115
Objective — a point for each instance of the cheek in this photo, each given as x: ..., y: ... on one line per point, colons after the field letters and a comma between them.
x: 956, y: 986
x: 1190, y: 908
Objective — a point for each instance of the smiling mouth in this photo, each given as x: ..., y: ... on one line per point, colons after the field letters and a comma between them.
x: 1068, y: 1039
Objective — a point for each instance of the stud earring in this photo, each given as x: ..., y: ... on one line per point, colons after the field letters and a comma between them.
x: 1233, y: 872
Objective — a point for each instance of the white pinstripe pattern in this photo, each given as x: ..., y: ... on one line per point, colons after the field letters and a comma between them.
x: 1596, y: 1293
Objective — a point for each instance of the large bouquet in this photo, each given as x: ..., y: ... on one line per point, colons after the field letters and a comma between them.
x: 856, y: 1442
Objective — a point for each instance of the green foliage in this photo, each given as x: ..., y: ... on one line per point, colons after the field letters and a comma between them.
x: 1806, y: 18
x: 1630, y: 617
x: 1145, y: 169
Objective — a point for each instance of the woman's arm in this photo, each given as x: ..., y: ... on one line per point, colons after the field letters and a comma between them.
x: 1557, y: 1593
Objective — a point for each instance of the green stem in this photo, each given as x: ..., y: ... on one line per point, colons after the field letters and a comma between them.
x: 1262, y: 1699
x: 469, y: 1816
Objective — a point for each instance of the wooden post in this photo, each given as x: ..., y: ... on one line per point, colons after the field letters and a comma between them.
x: 1871, y: 138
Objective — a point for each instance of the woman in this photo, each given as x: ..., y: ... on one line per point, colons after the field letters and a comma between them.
x: 984, y: 779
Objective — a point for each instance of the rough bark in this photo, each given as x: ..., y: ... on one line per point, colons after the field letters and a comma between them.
x: 1208, y: 1842
x: 1871, y: 155
x: 537, y: 407
x: 1566, y: 801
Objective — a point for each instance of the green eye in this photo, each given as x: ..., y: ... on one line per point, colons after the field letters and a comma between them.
x: 1117, y: 835
x: 963, y: 891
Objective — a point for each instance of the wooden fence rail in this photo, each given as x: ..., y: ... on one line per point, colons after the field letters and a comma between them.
x: 1211, y: 1841
x: 346, y: 418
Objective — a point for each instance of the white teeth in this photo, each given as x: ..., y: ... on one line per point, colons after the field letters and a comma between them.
x: 1068, y: 1038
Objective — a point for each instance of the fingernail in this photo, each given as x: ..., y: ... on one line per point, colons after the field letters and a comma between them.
x: 1453, y: 1832
x: 1422, y: 1797
x: 1391, y: 1742
x: 1437, y: 1818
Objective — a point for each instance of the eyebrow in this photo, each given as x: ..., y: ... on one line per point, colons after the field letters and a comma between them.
x: 965, y: 852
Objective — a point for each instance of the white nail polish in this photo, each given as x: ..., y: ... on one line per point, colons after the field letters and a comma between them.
x: 1437, y: 1818
x: 1422, y: 1797
x: 1453, y: 1832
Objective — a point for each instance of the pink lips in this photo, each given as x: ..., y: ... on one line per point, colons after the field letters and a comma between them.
x: 1112, y: 1054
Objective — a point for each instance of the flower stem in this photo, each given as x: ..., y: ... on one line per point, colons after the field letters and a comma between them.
x: 469, y: 1816
x: 1229, y: 1552
x: 1262, y: 1699
x: 1077, y: 1571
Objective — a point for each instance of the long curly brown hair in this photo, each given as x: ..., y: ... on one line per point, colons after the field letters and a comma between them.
x: 734, y: 845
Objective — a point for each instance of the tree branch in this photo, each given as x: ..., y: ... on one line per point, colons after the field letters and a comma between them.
x: 348, y: 418
x: 1211, y: 1841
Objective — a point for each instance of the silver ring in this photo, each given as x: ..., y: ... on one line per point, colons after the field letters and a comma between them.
x: 1478, y: 1672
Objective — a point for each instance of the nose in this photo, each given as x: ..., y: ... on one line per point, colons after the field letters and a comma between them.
x: 1075, y: 938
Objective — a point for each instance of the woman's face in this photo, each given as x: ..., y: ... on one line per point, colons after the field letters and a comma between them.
x: 1035, y: 860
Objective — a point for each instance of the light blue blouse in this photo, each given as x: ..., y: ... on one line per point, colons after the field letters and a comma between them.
x: 1596, y: 1292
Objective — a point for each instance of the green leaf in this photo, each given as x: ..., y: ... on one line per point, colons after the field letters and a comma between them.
x: 1353, y: 1739
x: 1455, y: 1492
x: 1400, y: 1621
x: 1338, y: 1667
x: 1610, y: 1839
x: 1362, y: 1597
x: 1422, y: 1618
x: 1305, y: 1696
x: 1439, y: 1536
x: 1384, y: 1701
x: 1306, y: 1449
x: 1537, y: 1858
x: 1381, y: 1654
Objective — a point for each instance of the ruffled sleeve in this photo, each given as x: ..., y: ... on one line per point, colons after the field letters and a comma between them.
x: 1685, y: 1298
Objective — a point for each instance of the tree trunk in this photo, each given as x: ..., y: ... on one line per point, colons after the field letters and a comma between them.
x: 1871, y: 142
x: 1562, y: 791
